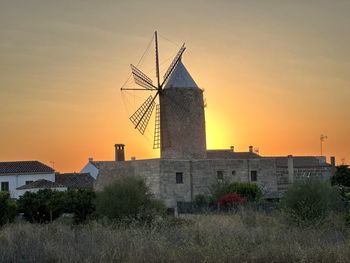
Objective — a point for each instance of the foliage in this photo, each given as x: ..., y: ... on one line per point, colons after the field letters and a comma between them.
x: 80, y: 203
x: 341, y: 176
x: 42, y: 206
x: 7, y: 208
x: 309, y: 201
x: 128, y: 199
x: 250, y: 191
x: 206, y: 238
x: 232, y: 200
x: 201, y: 200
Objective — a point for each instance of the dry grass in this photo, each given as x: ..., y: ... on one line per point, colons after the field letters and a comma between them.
x: 245, y: 237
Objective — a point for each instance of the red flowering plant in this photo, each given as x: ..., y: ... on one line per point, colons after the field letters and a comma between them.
x: 231, y: 201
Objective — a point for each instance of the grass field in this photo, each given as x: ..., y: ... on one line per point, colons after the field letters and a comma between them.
x: 243, y: 237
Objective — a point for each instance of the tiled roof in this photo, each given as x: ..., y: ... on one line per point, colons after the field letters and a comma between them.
x: 24, y: 167
x: 302, y: 161
x: 42, y: 183
x: 104, y: 164
x: 229, y: 154
x: 75, y: 180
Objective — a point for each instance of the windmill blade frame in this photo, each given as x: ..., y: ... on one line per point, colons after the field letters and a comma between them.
x: 142, y: 79
x: 142, y: 115
x: 173, y: 63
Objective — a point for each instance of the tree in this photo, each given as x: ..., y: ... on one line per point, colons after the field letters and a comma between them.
x: 80, y: 203
x: 7, y: 208
x: 309, y: 201
x: 42, y: 206
x: 128, y: 198
x: 341, y: 176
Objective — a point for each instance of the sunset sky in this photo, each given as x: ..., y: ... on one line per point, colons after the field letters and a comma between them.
x: 276, y: 75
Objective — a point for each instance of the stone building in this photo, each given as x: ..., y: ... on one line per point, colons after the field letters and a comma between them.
x: 186, y: 168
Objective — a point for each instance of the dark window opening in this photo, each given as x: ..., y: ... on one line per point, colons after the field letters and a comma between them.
x: 253, y: 176
x: 28, y: 182
x: 179, y: 178
x: 233, y: 172
x: 5, y: 186
x: 220, y: 175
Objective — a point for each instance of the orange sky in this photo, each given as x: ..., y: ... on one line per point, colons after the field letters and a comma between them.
x: 275, y: 74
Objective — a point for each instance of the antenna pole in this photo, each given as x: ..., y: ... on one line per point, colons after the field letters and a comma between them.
x: 157, y: 59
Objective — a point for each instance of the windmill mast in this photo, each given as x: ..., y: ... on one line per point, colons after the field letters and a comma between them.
x: 157, y: 59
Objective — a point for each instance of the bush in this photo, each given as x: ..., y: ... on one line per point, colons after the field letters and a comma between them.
x: 7, y: 208
x: 341, y: 176
x: 232, y: 200
x: 41, y: 207
x: 309, y: 201
x: 128, y: 199
x: 80, y: 203
x: 250, y: 191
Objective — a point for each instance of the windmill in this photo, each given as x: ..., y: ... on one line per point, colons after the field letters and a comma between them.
x: 175, y: 107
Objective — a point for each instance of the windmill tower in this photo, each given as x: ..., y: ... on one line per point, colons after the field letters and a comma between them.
x: 179, y: 129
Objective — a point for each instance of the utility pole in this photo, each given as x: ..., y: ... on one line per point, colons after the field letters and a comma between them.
x: 322, y: 139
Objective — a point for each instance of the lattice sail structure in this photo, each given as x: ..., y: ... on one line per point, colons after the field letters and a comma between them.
x: 143, y: 114
x: 141, y: 117
x: 156, y: 139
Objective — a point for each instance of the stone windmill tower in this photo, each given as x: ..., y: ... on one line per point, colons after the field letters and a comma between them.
x: 180, y: 122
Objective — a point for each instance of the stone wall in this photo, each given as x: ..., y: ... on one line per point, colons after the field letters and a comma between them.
x: 199, y: 175
x: 182, y: 124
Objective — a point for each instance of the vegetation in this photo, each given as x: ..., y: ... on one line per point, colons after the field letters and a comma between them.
x: 204, y: 238
x: 81, y: 204
x: 129, y: 199
x: 7, y: 208
x: 309, y: 201
x: 41, y: 207
x: 250, y: 191
x: 341, y: 176
x: 47, y: 205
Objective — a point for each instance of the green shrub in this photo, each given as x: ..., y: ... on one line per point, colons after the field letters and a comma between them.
x: 128, y: 199
x: 201, y: 200
x: 80, y: 203
x: 7, y: 208
x: 341, y: 176
x: 309, y: 201
x: 250, y: 191
x: 43, y: 206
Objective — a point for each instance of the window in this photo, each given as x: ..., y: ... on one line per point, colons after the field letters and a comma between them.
x: 233, y: 172
x: 5, y: 186
x: 28, y: 182
x: 253, y: 176
x: 220, y: 175
x: 179, y: 178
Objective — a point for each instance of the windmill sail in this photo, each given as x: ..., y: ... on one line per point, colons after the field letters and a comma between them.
x: 156, y: 139
x: 174, y: 62
x: 141, y: 78
x: 143, y: 114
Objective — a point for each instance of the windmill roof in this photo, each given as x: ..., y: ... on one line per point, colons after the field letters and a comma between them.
x: 180, y: 78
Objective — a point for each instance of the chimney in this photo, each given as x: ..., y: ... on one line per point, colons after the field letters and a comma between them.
x: 290, y: 169
x: 90, y: 159
x: 119, y: 152
x: 250, y: 148
x: 232, y: 148
x: 332, y: 165
x: 133, y: 158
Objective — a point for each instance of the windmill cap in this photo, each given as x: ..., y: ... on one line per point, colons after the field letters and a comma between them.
x: 180, y: 78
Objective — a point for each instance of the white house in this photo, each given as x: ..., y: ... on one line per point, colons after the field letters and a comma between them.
x: 39, y: 185
x: 16, y: 174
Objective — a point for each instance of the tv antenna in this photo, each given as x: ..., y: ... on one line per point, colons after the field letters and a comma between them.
x: 322, y: 139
